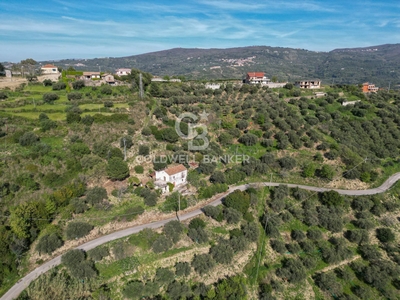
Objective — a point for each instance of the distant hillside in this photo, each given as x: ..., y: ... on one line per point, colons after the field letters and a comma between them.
x: 377, y: 64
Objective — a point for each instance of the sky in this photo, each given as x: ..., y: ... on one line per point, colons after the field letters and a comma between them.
x: 60, y: 29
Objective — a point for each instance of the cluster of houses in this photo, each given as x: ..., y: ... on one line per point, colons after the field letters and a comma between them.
x: 260, y: 78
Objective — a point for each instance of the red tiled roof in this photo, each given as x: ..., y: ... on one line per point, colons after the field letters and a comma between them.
x: 175, y: 169
x: 49, y: 66
x: 255, y: 74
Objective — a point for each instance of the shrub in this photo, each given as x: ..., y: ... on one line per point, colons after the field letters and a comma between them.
x: 251, y: 231
x: 50, y: 97
x: 146, y: 131
x: 293, y: 270
x: 197, y: 223
x: 47, y: 125
x: 203, y: 263
x: 73, y: 258
x: 222, y: 252
x: 74, y: 96
x: 144, y: 150
x: 87, y: 120
x: 238, y: 200
x: 331, y: 198
x: 231, y: 215
x: 385, y: 235
x: 298, y: 235
x: 182, y: 269
x: 117, y: 169
x: 198, y: 235
x: 78, y: 206
x: 76, y: 230
x: 161, y: 244
x: 314, y: 234
x: 59, y: 86
x: 173, y: 230
x: 47, y: 82
x: 163, y: 276
x: 287, y: 163
x: 108, y: 104
x: 213, y: 212
x: 98, y: 253
x: 357, y: 236
x: 48, y: 243
x: 77, y: 85
x: 248, y: 139
x: 106, y: 90
x: 28, y: 139
x: 96, y: 195
x: 139, y: 169
x: 132, y: 289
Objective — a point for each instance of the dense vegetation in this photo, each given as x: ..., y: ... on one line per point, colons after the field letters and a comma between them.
x: 64, y: 176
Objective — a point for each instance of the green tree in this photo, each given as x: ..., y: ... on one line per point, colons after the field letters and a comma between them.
x: 96, y: 195
x: 50, y: 97
x: 331, y: 198
x: 326, y: 172
x: 385, y: 235
x: 238, y: 200
x: 161, y: 244
x: 197, y: 223
x: 48, y: 243
x: 117, y: 169
x: 163, y: 276
x: 77, y: 85
x: 203, y: 263
x: 222, y: 252
x: 28, y: 139
x: 292, y: 270
x: 76, y: 230
x: 144, y: 150
x: 173, y: 230
x: 182, y: 269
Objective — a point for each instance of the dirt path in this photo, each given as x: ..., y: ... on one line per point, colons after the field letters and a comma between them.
x: 342, y: 263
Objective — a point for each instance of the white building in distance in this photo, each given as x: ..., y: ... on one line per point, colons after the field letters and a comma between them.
x: 49, y: 69
x: 123, y: 71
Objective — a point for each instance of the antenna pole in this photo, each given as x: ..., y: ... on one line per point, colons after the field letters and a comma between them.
x: 125, y: 149
x: 140, y: 86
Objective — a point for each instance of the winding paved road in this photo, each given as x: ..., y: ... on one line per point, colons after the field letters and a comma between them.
x: 25, y: 281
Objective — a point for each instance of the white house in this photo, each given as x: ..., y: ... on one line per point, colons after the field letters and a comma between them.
x: 176, y: 175
x: 49, y: 69
x: 308, y: 84
x: 256, y: 78
x: 123, y: 71
x: 90, y: 75
x: 213, y: 86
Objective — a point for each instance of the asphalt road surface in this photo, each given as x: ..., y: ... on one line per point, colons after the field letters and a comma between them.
x: 25, y: 281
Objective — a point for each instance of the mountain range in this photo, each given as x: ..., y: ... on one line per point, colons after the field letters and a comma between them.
x: 377, y: 64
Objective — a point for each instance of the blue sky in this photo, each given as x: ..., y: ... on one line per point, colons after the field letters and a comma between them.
x: 57, y: 29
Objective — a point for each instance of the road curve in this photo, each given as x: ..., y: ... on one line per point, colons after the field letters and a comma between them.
x: 23, y: 283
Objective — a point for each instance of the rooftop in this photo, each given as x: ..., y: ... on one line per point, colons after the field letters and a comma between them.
x: 255, y: 74
x: 175, y: 169
x: 49, y: 66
